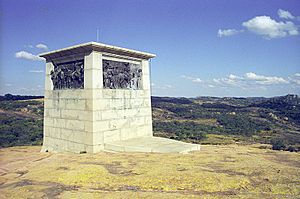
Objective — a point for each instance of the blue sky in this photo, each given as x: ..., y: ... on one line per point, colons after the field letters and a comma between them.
x: 214, y: 47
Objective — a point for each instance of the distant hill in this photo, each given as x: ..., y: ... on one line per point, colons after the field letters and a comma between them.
x: 205, y: 120
x: 19, y: 97
x: 21, y: 121
x: 213, y: 120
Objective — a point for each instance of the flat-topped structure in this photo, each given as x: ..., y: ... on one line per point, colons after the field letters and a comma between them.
x: 97, y: 97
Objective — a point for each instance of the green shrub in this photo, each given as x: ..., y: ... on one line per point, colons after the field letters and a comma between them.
x: 181, y: 130
x: 278, y: 144
x: 20, y: 131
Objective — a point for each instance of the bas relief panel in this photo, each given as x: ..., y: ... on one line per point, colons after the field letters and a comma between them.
x: 121, y: 75
x: 68, y: 75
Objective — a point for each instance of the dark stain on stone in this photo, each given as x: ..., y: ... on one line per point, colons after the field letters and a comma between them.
x: 182, y: 169
x: 114, y: 168
x: 52, y: 191
x: 62, y: 168
x: 229, y: 159
x: 218, y: 169
x: 130, y: 188
x: 21, y: 183
x: 37, y: 160
x: 55, y: 189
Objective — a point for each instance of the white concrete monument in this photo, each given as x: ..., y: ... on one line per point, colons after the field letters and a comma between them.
x: 97, y: 97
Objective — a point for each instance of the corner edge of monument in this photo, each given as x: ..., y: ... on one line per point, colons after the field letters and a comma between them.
x: 95, y: 46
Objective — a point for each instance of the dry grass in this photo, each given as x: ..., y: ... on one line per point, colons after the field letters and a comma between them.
x: 219, y: 139
x: 229, y: 171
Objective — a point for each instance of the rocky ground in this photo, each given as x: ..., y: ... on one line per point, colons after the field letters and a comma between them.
x: 228, y: 171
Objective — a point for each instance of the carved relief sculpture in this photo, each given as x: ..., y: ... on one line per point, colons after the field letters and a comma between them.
x: 68, y: 75
x: 121, y: 75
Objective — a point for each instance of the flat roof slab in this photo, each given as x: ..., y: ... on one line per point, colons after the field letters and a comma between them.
x: 151, y: 144
x: 95, y: 46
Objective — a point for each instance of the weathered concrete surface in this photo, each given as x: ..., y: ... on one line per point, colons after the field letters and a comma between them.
x: 151, y: 144
x: 229, y: 171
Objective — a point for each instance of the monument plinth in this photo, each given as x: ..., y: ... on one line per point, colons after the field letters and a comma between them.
x: 97, y: 97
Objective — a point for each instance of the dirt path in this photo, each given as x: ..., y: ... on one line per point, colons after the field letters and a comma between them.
x: 19, y: 114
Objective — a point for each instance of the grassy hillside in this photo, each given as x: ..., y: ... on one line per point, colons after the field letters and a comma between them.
x: 205, y: 120
x: 210, y: 120
x: 228, y: 171
x: 21, y: 122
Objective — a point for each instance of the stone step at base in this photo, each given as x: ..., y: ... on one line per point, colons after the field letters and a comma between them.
x: 151, y: 144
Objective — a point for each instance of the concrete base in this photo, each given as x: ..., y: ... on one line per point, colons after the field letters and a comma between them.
x: 151, y: 144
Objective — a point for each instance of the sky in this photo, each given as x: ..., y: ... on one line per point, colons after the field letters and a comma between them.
x: 203, y: 47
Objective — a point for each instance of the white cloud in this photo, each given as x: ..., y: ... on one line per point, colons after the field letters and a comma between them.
x: 270, y: 28
x: 296, y: 81
x: 28, y: 56
x: 216, y: 81
x: 193, y: 79
x: 228, y: 32
x: 197, y: 80
x: 231, y: 76
x: 229, y: 81
x: 249, y: 80
x: 246, y: 81
x: 7, y: 84
x: 295, y: 78
x: 226, y: 81
x: 42, y: 46
x: 163, y: 87
x: 31, y: 89
x: 284, y: 14
x: 36, y: 71
x: 260, y: 79
x: 234, y: 77
x: 297, y: 74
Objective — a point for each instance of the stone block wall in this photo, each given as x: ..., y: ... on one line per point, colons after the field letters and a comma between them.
x: 83, y: 120
x: 66, y: 121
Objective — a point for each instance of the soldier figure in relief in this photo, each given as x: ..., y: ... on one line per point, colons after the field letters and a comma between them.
x: 121, y: 75
x: 68, y: 75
